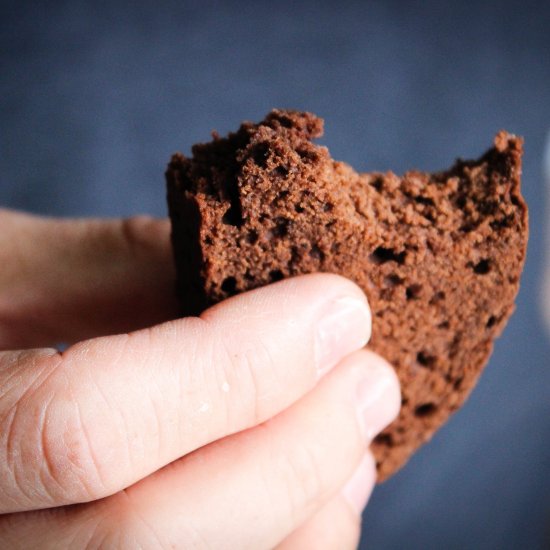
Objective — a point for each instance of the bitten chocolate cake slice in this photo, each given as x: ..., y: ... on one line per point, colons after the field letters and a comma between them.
x: 438, y: 255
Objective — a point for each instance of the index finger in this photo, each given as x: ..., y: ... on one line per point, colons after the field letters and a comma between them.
x: 66, y: 280
x: 84, y: 424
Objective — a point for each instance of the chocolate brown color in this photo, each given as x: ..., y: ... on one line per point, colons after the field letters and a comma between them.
x: 438, y: 255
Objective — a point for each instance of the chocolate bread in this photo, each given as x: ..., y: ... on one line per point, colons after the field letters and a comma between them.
x: 438, y: 255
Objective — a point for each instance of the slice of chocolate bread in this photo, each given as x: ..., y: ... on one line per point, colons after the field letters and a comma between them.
x: 438, y: 255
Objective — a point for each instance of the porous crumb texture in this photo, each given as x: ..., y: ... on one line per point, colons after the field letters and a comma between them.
x: 438, y: 255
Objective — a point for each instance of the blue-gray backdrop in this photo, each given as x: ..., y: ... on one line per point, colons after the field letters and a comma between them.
x: 95, y: 96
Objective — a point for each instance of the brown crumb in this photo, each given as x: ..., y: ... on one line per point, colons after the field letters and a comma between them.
x: 438, y: 255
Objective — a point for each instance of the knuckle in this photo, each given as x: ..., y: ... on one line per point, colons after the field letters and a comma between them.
x: 123, y: 524
x: 10, y: 464
x: 71, y: 470
x: 45, y: 444
x: 142, y: 232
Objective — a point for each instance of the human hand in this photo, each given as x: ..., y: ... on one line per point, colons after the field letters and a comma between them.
x: 245, y: 428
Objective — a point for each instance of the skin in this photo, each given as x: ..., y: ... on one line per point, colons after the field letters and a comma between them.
x: 247, y: 427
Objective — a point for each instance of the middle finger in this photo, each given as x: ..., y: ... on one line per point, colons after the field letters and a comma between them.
x: 249, y: 490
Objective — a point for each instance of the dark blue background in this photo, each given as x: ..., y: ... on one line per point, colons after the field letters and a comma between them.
x: 94, y: 97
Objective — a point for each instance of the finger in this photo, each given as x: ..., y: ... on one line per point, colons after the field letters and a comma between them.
x: 337, y: 525
x: 332, y: 528
x: 65, y: 280
x: 107, y: 412
x: 250, y: 490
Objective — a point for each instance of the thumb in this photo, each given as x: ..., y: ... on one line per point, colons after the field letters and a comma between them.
x: 176, y: 386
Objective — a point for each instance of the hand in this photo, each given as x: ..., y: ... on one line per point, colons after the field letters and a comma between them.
x: 245, y: 428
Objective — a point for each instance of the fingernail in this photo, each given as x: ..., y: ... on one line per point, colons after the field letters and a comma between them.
x: 378, y: 399
x: 343, y: 328
x: 359, y: 487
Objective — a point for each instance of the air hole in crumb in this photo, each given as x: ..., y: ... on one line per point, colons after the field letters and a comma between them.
x: 488, y: 207
x: 229, y: 285
x: 260, y: 154
x: 507, y: 221
x: 424, y: 200
x: 457, y: 383
x: 393, y: 280
x: 454, y: 346
x: 281, y: 227
x: 425, y: 359
x: 298, y: 208
x: 233, y: 216
x: 285, y: 122
x: 429, y: 215
x: 208, y: 240
x: 491, y: 322
x: 467, y: 227
x: 482, y: 267
x: 280, y: 171
x: 437, y: 297
x: 382, y: 255
x: 252, y: 237
x: 316, y: 252
x: 307, y: 154
x: 276, y: 275
x: 282, y: 194
x: 327, y: 207
x: 427, y: 409
x: 444, y: 325
x: 413, y: 291
x: 384, y: 439
x: 378, y: 184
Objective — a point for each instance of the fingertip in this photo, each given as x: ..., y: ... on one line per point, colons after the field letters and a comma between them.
x: 359, y: 487
x: 328, y: 284
x: 377, y: 391
x: 335, y: 527
x: 335, y: 307
x: 313, y: 286
x: 386, y: 374
x: 342, y: 327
